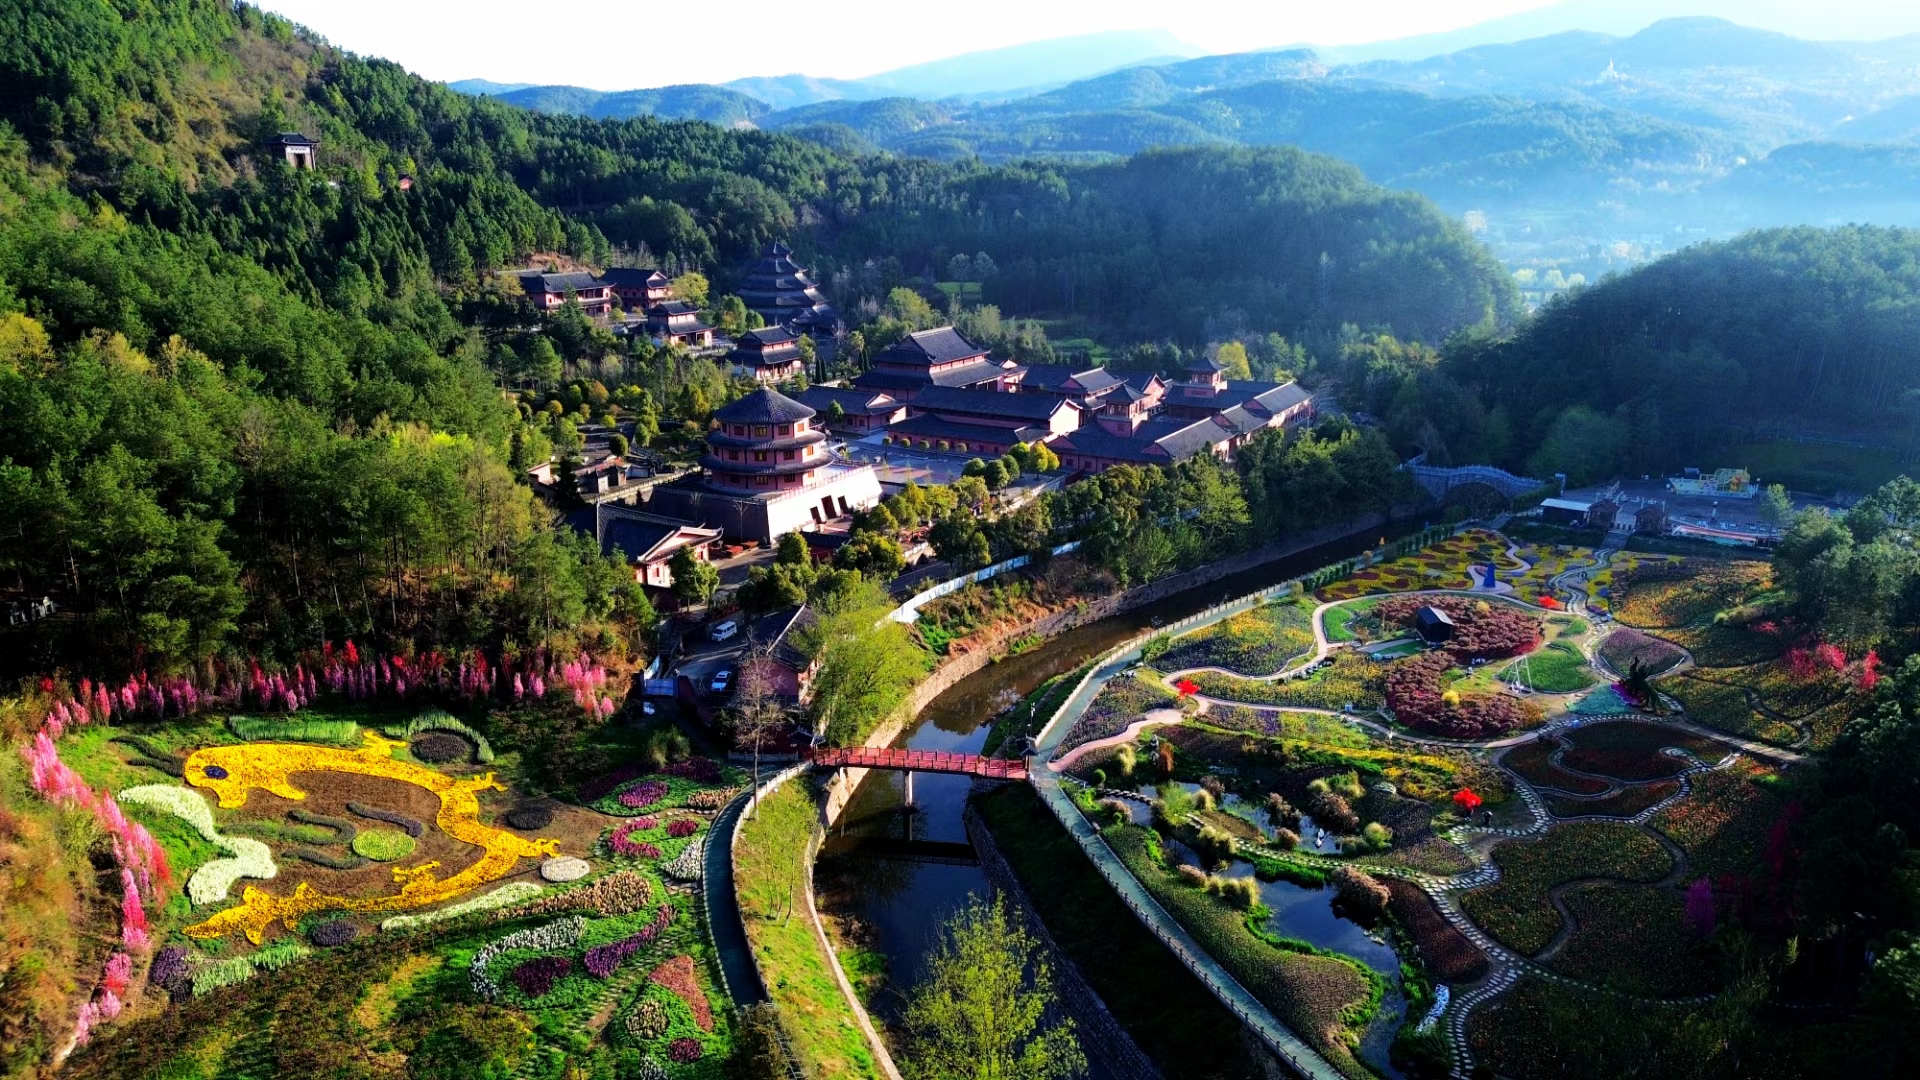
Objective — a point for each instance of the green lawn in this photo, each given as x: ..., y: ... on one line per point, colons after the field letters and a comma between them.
x: 771, y: 874
x: 1556, y: 669
x: 1336, y: 621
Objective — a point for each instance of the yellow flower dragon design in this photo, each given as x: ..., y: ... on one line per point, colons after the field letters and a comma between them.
x: 231, y: 772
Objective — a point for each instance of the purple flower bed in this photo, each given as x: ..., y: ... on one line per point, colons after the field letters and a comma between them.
x: 604, y: 960
x: 683, y: 1050
x: 623, y: 843
x: 537, y: 976
x: 601, y: 786
x: 681, y: 828
x: 699, y: 769
x: 169, y: 970
x: 643, y: 795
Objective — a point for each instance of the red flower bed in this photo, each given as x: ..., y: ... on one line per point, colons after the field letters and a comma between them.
x: 1482, y: 629
x: 1417, y: 697
x: 1449, y: 954
x: 677, y: 975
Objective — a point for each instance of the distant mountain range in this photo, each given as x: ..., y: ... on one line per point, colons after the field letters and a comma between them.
x: 1566, y: 142
x: 985, y: 75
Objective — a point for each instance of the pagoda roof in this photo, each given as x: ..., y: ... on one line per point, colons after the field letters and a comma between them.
x: 762, y: 406
x: 634, y: 277
x: 942, y: 345
x: 674, y: 307
x: 852, y: 401
x: 990, y: 403
x: 535, y: 281
x: 934, y: 427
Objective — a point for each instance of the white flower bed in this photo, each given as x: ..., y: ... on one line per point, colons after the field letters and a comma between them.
x: 689, y: 864
x: 565, y: 868
x: 553, y: 937
x: 511, y: 893
x: 210, y: 883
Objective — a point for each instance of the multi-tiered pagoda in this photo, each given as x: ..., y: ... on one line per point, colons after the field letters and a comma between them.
x: 768, y: 472
x: 778, y: 290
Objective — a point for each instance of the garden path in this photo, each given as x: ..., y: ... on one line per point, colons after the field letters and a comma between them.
x: 724, y: 921
x: 1506, y: 966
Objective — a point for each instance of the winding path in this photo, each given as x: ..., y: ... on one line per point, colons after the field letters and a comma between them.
x: 1506, y: 966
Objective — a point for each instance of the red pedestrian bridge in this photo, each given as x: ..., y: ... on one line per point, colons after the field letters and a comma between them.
x: 933, y: 761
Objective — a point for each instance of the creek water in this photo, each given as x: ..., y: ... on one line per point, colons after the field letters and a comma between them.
x: 895, y: 873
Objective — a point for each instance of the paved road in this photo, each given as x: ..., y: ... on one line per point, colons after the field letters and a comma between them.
x: 723, y: 910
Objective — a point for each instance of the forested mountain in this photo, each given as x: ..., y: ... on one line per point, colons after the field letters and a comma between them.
x: 698, y: 101
x: 250, y: 407
x: 1792, y: 333
x: 1582, y: 149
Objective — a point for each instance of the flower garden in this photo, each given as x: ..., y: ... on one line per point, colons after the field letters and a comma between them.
x: 1269, y: 638
x: 1446, y: 564
x: 313, y: 856
x: 1516, y: 909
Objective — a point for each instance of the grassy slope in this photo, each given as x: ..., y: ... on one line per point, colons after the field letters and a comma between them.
x: 771, y: 876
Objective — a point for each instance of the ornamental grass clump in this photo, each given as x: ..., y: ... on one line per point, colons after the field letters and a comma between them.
x: 1362, y: 897
x: 1241, y: 893
x: 438, y: 720
x: 1329, y: 810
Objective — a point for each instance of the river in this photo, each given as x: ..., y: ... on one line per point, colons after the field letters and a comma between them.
x: 895, y: 875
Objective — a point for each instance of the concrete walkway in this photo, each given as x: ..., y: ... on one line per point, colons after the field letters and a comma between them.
x: 724, y: 922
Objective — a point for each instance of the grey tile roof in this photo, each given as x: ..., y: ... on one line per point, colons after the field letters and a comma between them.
x: 558, y: 283
x: 763, y: 406
x: 867, y: 402
x: 990, y: 403
x: 933, y: 427
x: 939, y: 346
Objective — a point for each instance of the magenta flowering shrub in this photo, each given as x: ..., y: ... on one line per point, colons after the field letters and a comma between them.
x: 642, y: 824
x: 604, y: 960
x: 681, y: 828
x: 536, y: 976
x: 644, y: 794
x: 684, y: 1050
x: 621, y: 842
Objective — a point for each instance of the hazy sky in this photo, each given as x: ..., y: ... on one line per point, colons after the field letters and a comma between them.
x: 612, y: 47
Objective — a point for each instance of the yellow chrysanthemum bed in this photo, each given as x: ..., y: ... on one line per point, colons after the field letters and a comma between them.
x: 231, y: 772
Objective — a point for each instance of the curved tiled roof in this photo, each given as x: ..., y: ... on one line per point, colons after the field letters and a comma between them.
x: 763, y: 406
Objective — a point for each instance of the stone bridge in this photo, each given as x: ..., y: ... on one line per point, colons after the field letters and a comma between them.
x: 1438, y: 481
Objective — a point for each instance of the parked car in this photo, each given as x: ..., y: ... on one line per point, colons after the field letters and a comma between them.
x: 722, y: 681
x: 725, y: 630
